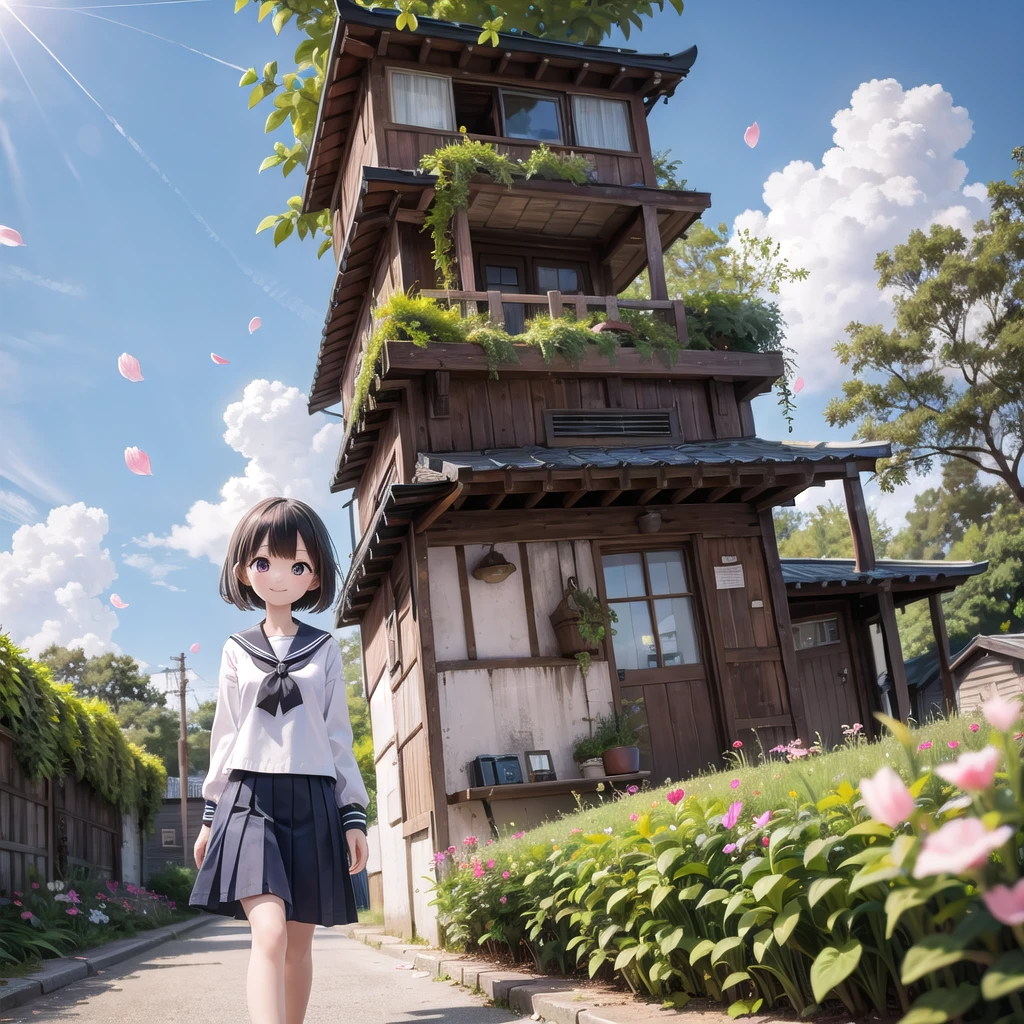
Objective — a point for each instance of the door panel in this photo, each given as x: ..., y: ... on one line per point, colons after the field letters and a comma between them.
x: 826, y: 677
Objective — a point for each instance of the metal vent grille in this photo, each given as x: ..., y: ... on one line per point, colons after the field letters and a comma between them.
x: 613, y: 423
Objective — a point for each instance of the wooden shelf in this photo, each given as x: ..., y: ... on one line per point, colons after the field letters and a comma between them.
x: 527, y: 790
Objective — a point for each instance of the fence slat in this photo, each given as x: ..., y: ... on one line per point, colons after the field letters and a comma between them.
x: 555, y: 303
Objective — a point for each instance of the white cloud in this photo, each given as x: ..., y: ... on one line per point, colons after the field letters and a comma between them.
x: 14, y: 273
x: 288, y: 452
x: 16, y: 509
x: 893, y: 168
x: 156, y: 571
x: 51, y: 581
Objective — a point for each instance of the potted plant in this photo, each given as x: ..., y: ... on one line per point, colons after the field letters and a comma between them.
x: 617, y: 737
x: 579, y: 623
x: 588, y: 757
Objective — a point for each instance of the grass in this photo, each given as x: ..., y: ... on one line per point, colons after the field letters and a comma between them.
x: 375, y: 917
x: 768, y: 785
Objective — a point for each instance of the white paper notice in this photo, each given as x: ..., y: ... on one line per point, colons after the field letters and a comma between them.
x: 729, y: 577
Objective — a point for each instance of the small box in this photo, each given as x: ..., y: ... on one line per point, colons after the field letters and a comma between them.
x: 484, y: 771
x: 509, y: 770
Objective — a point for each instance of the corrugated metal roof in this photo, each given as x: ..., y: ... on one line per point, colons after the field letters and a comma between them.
x: 843, y: 570
x: 742, y: 451
x: 195, y: 787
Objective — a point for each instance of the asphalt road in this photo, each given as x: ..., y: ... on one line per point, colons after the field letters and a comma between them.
x: 202, y: 978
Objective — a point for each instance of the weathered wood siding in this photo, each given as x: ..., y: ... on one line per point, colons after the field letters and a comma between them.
x: 362, y: 152
x: 981, y: 676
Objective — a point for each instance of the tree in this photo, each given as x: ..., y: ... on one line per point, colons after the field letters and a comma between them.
x: 825, y: 533
x: 66, y: 666
x: 947, y: 382
x: 298, y: 91
x: 359, y: 715
x: 153, y: 728
x: 114, y: 679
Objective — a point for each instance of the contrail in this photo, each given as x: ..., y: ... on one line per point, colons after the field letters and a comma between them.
x: 103, y: 7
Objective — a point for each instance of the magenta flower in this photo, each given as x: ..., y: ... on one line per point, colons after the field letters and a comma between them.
x: 518, y: 835
x: 35, y: 885
x: 780, y: 749
x: 972, y: 772
x: 1001, y: 713
x: 490, y: 842
x: 763, y: 819
x: 451, y: 849
x: 732, y: 815
x: 729, y: 848
x: 17, y: 903
x: 1006, y: 905
x: 171, y: 904
x: 632, y: 790
x: 927, y: 745
x: 440, y: 857
x: 26, y: 915
x: 506, y: 874
x: 111, y: 886
x: 72, y: 910
x: 974, y: 727
x: 676, y: 796
x: 469, y: 841
x: 478, y: 871
x: 960, y: 845
x: 737, y: 744
x: 634, y: 817
x: 131, y: 888
x: 886, y: 798
x: 16, y: 893
x: 953, y: 744
x: 73, y: 896
x: 504, y: 899
x: 490, y: 863
x: 735, y: 784
x: 765, y: 840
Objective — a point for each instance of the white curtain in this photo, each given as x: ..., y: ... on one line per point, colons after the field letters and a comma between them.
x: 422, y: 100
x: 601, y: 124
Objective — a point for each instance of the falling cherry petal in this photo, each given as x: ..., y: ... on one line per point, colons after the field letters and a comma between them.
x: 255, y: 324
x: 798, y: 385
x: 137, y: 461
x: 751, y: 135
x: 8, y: 236
x: 117, y: 602
x: 129, y: 368
x: 219, y: 360
x: 194, y: 648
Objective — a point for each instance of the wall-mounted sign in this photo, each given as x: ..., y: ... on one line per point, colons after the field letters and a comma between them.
x: 729, y: 577
x: 757, y: 604
x: 729, y: 559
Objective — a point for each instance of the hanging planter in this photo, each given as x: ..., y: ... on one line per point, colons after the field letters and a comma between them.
x: 579, y: 623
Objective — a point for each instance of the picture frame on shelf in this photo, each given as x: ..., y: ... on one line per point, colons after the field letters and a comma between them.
x: 539, y: 766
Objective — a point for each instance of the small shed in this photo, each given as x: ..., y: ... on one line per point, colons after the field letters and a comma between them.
x: 163, y: 846
x: 989, y: 663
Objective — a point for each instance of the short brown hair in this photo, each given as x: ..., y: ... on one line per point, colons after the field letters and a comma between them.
x: 278, y: 520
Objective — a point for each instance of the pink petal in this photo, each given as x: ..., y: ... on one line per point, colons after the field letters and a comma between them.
x: 128, y: 367
x: 8, y: 236
x: 194, y: 648
x: 798, y: 385
x: 117, y: 602
x: 219, y: 360
x: 137, y: 461
x: 751, y: 135
x: 255, y: 324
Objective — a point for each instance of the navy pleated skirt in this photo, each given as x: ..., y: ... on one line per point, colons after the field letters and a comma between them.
x: 280, y: 834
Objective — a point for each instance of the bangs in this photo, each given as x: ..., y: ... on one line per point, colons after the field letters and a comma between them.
x: 278, y: 526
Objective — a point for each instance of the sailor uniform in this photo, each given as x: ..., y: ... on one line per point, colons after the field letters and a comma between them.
x: 283, y: 785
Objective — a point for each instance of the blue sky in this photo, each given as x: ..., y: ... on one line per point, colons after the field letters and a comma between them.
x: 115, y: 261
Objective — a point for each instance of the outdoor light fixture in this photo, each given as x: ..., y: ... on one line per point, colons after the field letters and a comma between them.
x: 493, y: 568
x: 649, y: 522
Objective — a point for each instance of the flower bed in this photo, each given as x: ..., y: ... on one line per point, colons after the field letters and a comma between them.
x: 894, y: 898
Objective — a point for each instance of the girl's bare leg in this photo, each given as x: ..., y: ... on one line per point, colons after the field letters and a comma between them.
x: 298, y: 970
x: 265, y: 982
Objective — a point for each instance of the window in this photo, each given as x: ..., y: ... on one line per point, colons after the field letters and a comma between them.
x: 818, y: 633
x: 558, y: 279
x: 531, y: 115
x: 169, y: 837
x: 422, y: 100
x: 476, y: 108
x: 601, y: 124
x: 507, y: 279
x: 650, y: 594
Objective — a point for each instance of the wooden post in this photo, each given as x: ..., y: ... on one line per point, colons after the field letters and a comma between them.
x: 860, y: 525
x: 581, y: 307
x: 495, y: 310
x: 555, y: 304
x: 942, y: 646
x: 611, y: 307
x: 682, y: 329
x: 894, y: 653
x: 655, y: 257
x: 464, y: 251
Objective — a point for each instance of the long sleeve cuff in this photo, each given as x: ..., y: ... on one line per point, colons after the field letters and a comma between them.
x: 353, y: 816
x: 208, y: 812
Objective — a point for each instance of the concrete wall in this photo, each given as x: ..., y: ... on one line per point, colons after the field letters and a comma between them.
x: 131, y: 848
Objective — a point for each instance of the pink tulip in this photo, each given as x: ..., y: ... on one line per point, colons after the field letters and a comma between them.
x: 503, y: 899
x: 26, y: 915
x: 732, y: 815
x: 886, y: 798
x: 676, y: 796
x: 137, y: 461
x: 1001, y: 713
x: 972, y: 772
x: 763, y: 819
x: 927, y: 745
x: 729, y: 848
x: 129, y: 368
x: 735, y: 784
x: 798, y: 385
x: 765, y: 840
x: 506, y: 874
x: 751, y: 135
x: 953, y: 744
x: 960, y: 845
x: 1004, y: 904
x: 255, y: 324
x: 737, y: 744
x: 974, y: 727
x: 8, y: 236
x: 117, y: 602
x: 219, y: 360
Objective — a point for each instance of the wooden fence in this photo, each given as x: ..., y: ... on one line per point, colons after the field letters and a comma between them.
x: 53, y: 826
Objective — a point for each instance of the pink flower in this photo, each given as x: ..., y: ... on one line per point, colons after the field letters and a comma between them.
x: 440, y: 857
x: 111, y: 886
x: 506, y: 874
x: 972, y: 772
x: 17, y: 903
x: 634, y: 817
x: 469, y: 841
x: 735, y: 784
x: 780, y: 749
x: 960, y: 845
x: 737, y: 744
x: 451, y: 849
x: 26, y: 915
x: 504, y: 899
x: 676, y: 796
x: 478, y: 871
x: 729, y: 848
x: 632, y: 790
x: 490, y: 842
x: 574, y: 831
x: 974, y: 727
x: 953, y: 744
x: 35, y: 885
x: 927, y: 745
x: 171, y: 904
x: 1001, y: 713
x: 73, y: 896
x: 16, y: 893
x: 518, y: 835
x: 765, y: 840
x: 72, y: 910
x: 732, y: 815
x: 886, y: 798
x: 1004, y: 904
x: 763, y: 819
x: 131, y: 888
x: 100, y: 896
x: 490, y: 863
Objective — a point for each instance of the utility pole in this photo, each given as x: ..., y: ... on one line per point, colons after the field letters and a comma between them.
x: 183, y: 753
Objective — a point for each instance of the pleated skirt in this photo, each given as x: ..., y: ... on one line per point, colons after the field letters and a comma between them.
x: 279, y: 834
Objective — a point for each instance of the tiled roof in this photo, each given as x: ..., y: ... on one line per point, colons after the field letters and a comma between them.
x: 843, y: 570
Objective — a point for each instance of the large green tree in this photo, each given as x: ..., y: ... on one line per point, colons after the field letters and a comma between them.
x: 113, y: 678
x: 947, y: 381
x: 156, y: 730
x: 824, y: 532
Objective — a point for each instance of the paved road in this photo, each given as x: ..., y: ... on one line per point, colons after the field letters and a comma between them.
x: 202, y: 978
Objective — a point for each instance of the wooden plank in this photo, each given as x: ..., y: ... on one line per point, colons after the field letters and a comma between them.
x: 499, y: 663
x: 555, y: 304
x: 464, y: 251
x: 942, y: 646
x: 531, y: 614
x: 467, y: 608
x: 655, y: 257
x: 894, y: 653
x: 860, y: 525
x: 559, y: 787
x: 495, y: 308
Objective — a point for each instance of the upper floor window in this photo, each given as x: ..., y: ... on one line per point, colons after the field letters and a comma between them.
x: 530, y: 115
x: 422, y: 100
x: 601, y: 124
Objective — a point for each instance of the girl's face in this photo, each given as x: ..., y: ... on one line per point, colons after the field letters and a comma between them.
x: 279, y: 582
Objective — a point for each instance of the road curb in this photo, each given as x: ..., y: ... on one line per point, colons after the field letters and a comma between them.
x: 55, y: 974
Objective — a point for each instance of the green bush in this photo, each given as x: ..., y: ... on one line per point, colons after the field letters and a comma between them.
x: 174, y: 881
x: 888, y: 897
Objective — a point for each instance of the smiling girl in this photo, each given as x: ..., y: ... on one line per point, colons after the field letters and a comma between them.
x: 284, y: 797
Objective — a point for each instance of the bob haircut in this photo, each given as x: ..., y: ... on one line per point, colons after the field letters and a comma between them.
x: 278, y: 521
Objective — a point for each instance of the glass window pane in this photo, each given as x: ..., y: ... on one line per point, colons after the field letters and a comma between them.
x: 557, y: 279
x: 602, y: 124
x: 531, y: 117
x: 423, y: 100
x: 818, y: 633
x: 624, y: 575
x: 510, y: 277
x: 568, y: 280
x: 633, y: 641
x: 676, y: 631
x: 547, y: 279
x: 493, y: 276
x: 668, y: 574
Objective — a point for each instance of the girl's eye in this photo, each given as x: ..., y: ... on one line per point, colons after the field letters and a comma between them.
x: 299, y: 568
x: 261, y: 564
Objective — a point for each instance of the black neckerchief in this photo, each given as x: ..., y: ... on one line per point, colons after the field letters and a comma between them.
x: 278, y: 689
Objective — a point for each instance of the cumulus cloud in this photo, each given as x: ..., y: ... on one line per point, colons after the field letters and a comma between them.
x: 288, y: 453
x: 156, y: 571
x: 51, y: 581
x: 893, y: 168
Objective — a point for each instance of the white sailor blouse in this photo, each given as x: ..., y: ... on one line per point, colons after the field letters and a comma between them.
x: 282, y: 707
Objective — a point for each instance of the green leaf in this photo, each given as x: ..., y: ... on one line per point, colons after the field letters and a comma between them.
x: 249, y: 78
x: 271, y: 161
x: 607, y: 934
x: 901, y: 900
x: 870, y: 828
x: 597, y: 958
x: 820, y: 888
x: 703, y: 948
x: 325, y: 245
x: 725, y: 947
x: 661, y: 894
x: 931, y: 954
x: 713, y: 896
x: 941, y: 1005
x: 268, y: 222
x: 736, y: 978
x: 618, y: 897
x: 667, y: 859
x: 786, y: 922
x: 270, y: 72
x: 671, y: 941
x: 239, y: 4
x: 276, y: 118
x: 678, y: 1000
x: 770, y: 889
x: 282, y: 231
x: 625, y: 957
x: 832, y: 966
x: 1006, y: 975
x: 283, y: 16
x: 898, y: 729
x: 744, y: 1006
x: 265, y: 8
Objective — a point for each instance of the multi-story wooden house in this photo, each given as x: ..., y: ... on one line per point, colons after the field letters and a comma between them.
x: 642, y: 481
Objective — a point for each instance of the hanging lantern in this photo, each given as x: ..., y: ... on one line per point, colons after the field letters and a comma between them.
x: 649, y: 522
x: 493, y: 568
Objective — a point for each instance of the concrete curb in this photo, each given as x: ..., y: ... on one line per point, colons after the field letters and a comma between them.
x: 55, y: 974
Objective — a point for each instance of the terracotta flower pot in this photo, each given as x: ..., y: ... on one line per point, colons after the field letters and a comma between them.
x: 593, y: 768
x: 622, y: 760
x: 565, y: 622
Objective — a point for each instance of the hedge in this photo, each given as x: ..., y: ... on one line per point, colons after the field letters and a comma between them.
x: 57, y: 733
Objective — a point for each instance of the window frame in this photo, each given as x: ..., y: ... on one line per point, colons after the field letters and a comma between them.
x: 603, y: 99
x: 555, y: 98
x: 168, y: 832
x: 422, y: 74
x: 816, y: 621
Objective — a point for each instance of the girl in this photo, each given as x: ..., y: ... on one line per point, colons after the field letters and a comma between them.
x: 283, y: 785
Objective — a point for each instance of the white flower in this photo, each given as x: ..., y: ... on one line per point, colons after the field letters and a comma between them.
x: 608, y: 831
x: 98, y: 917
x: 62, y: 898
x: 49, y: 885
x: 671, y: 828
x: 59, y: 886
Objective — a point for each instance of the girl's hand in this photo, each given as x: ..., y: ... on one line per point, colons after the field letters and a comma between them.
x: 358, y: 851
x: 199, y: 851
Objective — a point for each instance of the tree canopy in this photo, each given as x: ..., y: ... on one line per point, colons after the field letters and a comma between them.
x: 113, y: 678
x: 825, y: 532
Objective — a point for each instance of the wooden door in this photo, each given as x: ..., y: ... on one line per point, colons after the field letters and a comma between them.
x: 827, y: 678
x: 658, y: 653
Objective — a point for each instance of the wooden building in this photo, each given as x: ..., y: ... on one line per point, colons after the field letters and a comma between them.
x: 642, y: 481
x: 163, y: 846
x: 987, y: 665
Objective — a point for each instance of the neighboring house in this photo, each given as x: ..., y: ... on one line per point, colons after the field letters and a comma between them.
x: 164, y: 846
x: 481, y: 501
x: 989, y: 663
